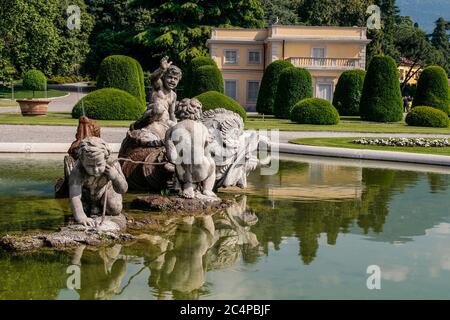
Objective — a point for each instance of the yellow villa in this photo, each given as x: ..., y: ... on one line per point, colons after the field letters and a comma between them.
x: 243, y: 54
x: 404, y: 67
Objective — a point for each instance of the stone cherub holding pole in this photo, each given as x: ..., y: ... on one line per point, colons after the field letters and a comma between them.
x: 95, y: 185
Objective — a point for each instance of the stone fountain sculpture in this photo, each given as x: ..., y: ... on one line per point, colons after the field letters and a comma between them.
x: 95, y: 185
x: 147, y: 152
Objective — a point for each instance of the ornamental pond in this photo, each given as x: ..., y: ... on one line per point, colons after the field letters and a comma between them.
x: 308, y: 232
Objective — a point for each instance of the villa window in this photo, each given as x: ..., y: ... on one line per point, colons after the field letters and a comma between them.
x: 231, y: 89
x: 318, y: 55
x: 230, y: 56
x: 254, y: 57
x: 252, y: 91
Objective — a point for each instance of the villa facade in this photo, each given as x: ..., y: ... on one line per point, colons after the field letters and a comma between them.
x: 243, y: 54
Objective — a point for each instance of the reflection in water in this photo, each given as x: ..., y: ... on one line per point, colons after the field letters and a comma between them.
x: 303, y: 212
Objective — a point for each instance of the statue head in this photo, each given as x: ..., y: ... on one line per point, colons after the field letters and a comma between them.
x: 189, y: 109
x: 93, y: 153
x: 171, y: 77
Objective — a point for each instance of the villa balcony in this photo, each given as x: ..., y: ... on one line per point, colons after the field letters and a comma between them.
x: 325, y: 63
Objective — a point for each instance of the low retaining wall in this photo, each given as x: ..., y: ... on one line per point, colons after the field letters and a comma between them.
x: 287, y: 148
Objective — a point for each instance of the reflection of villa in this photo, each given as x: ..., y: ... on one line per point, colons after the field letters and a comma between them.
x: 243, y: 54
x: 316, y: 181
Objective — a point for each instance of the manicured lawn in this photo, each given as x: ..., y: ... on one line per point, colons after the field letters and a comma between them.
x: 347, y: 143
x: 6, y: 93
x: 346, y: 125
x: 54, y: 119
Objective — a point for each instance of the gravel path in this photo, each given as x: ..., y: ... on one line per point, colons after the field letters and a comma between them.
x: 66, y: 134
x: 64, y: 104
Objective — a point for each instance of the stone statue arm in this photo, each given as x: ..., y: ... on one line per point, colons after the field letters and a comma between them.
x: 156, y: 77
x: 116, y: 176
x: 75, y: 190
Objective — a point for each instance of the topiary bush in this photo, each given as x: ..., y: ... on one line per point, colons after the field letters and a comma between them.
x: 314, y: 111
x: 422, y: 116
x: 213, y: 100
x: 295, y: 84
x: 348, y: 92
x: 432, y: 89
x: 34, y: 80
x: 206, y: 78
x: 381, y: 99
x: 194, y: 65
x: 109, y: 104
x: 269, y: 84
x: 123, y: 73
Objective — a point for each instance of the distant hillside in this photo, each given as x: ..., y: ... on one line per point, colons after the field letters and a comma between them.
x: 425, y: 12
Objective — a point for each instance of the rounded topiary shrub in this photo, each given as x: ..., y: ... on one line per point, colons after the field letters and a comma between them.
x: 194, y: 65
x: 347, y: 93
x: 123, y: 73
x: 34, y: 80
x: 381, y: 99
x: 206, y: 78
x: 314, y: 111
x: 295, y: 84
x: 422, y: 116
x: 109, y: 104
x: 214, y: 100
x: 268, y: 88
x: 432, y: 89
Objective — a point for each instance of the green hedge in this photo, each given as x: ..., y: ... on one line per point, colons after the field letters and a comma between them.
x: 381, y: 99
x: 432, y: 89
x: 123, y: 73
x: 314, y: 111
x: 269, y: 84
x: 194, y: 65
x: 295, y: 84
x: 34, y: 80
x: 347, y: 94
x: 422, y: 116
x: 109, y: 104
x: 214, y: 100
x: 206, y: 78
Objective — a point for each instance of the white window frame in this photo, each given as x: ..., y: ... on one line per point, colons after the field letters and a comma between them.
x: 247, y: 91
x: 236, y: 81
x: 225, y: 62
x: 316, y: 63
x: 248, y: 57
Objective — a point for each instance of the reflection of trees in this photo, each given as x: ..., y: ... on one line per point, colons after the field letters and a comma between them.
x: 438, y: 182
x: 307, y: 220
x: 38, y: 275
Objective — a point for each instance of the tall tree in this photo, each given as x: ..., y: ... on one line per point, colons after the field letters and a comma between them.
x: 413, y: 45
x: 116, y: 24
x: 282, y: 12
x: 35, y: 35
x: 334, y: 12
x: 440, y: 40
x: 181, y: 27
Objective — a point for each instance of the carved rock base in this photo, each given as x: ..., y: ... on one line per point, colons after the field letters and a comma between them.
x: 179, y: 204
x: 110, y: 231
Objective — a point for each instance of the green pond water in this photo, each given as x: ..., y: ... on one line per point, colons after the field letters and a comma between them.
x: 308, y: 232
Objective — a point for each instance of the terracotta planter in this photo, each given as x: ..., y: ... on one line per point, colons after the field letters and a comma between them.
x: 33, y: 107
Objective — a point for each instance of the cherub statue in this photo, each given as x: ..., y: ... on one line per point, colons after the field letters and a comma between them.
x: 95, y: 185
x: 164, y: 81
x: 187, y: 148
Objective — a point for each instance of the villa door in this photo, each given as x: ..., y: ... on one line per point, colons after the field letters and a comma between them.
x: 324, y: 91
